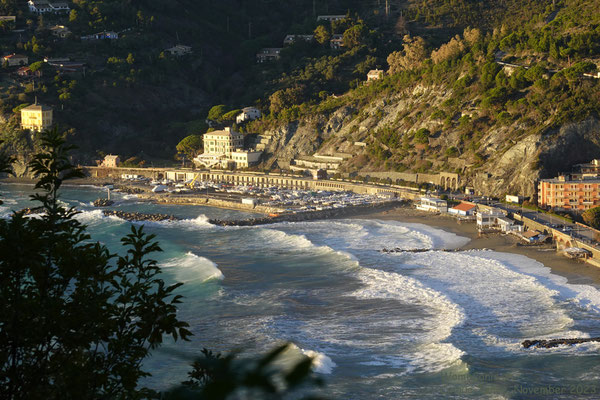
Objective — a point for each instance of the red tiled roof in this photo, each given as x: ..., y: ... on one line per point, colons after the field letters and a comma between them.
x: 464, y: 207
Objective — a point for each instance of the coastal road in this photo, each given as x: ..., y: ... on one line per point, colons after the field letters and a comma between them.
x: 575, y: 231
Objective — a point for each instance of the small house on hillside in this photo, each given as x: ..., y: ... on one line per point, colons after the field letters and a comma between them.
x: 374, y: 75
x: 268, y: 54
x: 111, y: 161
x: 179, y: 50
x: 463, y: 210
x: 14, y: 60
x: 46, y: 6
x: 248, y: 114
x: 291, y: 39
x: 26, y: 72
x: 336, y: 41
x: 60, y: 31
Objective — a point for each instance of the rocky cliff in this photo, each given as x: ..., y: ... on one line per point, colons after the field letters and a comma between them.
x: 495, y: 159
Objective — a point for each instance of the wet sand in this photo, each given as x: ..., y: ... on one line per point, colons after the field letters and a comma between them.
x: 576, y: 272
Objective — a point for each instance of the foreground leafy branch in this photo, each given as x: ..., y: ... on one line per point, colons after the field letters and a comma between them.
x: 76, y: 321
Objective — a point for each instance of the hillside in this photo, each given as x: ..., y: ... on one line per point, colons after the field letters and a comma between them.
x: 501, y: 108
x: 132, y: 96
x: 493, y: 91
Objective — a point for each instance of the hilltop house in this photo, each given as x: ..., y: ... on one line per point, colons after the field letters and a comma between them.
x: 14, y: 60
x: 268, y: 54
x: 225, y: 149
x: 36, y: 117
x: 179, y: 50
x: 46, y: 6
x: 27, y: 72
x: 8, y: 21
x: 336, y: 41
x: 60, y: 31
x: 248, y: 114
x: 111, y: 161
x: 374, y: 75
x: 290, y: 39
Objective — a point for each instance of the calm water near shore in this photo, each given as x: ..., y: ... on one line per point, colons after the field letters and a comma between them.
x: 382, y: 326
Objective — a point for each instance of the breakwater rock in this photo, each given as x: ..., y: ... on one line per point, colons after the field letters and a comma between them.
x: 34, y: 210
x: 549, y: 343
x: 103, y: 203
x: 128, y: 189
x: 135, y: 216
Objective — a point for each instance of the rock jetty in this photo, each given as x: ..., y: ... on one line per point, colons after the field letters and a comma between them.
x: 135, y: 216
x: 549, y: 343
x: 103, y: 203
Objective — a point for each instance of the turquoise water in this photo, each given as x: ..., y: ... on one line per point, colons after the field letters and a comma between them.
x: 382, y: 326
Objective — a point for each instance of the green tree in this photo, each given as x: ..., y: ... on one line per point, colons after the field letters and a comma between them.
x: 230, y: 115
x: 422, y: 136
x: 190, y: 146
x: 76, y: 321
x: 592, y: 217
x: 285, y: 98
x: 355, y: 35
x: 322, y: 35
x: 413, y: 53
x: 216, y: 112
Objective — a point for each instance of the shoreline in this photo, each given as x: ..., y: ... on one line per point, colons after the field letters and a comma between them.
x: 575, y: 272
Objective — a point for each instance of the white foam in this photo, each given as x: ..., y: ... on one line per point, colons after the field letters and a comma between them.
x: 190, y: 268
x: 320, y: 362
x: 506, y: 298
x: 95, y: 216
x: 430, y: 353
x: 198, y: 223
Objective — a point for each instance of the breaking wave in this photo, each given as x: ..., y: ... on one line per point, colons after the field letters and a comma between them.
x: 191, y: 268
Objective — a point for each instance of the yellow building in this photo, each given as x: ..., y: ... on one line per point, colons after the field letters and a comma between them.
x: 36, y: 117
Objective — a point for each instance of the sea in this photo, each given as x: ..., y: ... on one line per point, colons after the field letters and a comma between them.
x: 425, y: 325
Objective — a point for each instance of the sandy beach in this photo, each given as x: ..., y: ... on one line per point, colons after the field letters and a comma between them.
x: 577, y: 272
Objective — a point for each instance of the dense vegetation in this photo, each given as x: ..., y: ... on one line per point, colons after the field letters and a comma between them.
x: 136, y: 99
